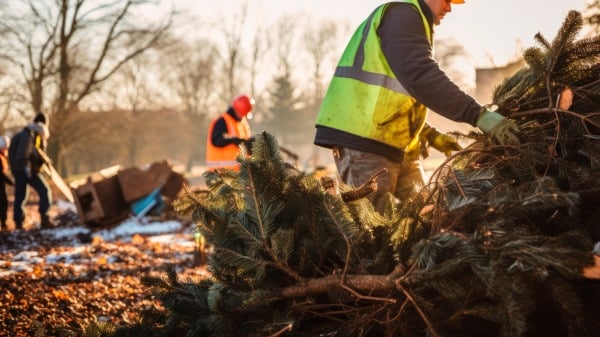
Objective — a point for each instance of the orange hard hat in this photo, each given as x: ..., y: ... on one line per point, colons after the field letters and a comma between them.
x: 242, y: 105
x: 458, y: 1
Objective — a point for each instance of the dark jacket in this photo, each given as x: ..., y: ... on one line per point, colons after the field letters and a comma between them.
x: 220, y: 129
x: 409, y: 54
x: 22, y: 153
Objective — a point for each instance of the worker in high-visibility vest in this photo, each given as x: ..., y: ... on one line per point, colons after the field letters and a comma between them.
x: 25, y: 165
x: 228, y: 132
x: 374, y: 113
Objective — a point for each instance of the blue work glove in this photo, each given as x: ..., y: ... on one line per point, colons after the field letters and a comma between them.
x: 497, y: 126
x: 28, y: 172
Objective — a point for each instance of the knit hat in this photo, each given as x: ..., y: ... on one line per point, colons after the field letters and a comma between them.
x: 40, y: 118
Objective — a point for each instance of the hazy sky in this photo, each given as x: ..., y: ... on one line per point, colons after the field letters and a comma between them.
x: 489, y: 30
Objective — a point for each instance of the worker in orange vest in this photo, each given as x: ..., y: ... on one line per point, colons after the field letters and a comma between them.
x: 228, y: 132
x: 5, y: 180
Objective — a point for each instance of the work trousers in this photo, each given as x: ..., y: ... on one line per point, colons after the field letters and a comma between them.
x: 356, y: 168
x: 39, y: 184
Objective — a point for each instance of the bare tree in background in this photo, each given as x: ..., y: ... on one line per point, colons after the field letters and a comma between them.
x: 320, y: 40
x: 283, y: 42
x: 135, y: 100
x: 188, y: 69
x: 3, y: 33
x: 112, y: 119
x: 189, y: 72
x: 286, y: 110
x: 102, y: 147
x: 10, y: 96
x: 258, y: 51
x: 322, y: 43
x: 232, y: 29
x: 67, y: 49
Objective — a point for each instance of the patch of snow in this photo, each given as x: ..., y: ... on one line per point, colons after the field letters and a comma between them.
x: 68, y: 232
x: 129, y: 227
x: 24, y: 256
x: 75, y: 252
x: 63, y: 206
x: 67, y: 256
x: 170, y: 238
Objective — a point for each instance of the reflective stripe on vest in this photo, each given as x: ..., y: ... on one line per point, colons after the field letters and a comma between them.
x: 356, y: 72
x: 365, y: 98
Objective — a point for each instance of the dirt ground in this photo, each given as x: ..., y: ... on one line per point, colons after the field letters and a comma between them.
x: 89, y: 280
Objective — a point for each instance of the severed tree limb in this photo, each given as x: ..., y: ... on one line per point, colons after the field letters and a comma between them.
x: 358, y: 283
x: 329, y: 185
x: 283, y: 330
x: 365, y: 189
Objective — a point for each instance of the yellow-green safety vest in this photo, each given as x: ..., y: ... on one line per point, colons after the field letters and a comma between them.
x: 366, y: 99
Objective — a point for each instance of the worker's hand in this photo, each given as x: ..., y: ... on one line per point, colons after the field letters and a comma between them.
x: 248, y: 144
x: 497, y: 126
x: 442, y: 142
x: 28, y: 172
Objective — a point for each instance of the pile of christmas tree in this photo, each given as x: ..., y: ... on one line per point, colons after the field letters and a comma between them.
x: 498, y: 243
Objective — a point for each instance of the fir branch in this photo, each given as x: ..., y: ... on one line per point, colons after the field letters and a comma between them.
x: 359, y: 283
x: 238, y: 264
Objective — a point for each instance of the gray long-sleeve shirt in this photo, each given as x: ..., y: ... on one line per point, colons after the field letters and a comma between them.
x: 409, y: 54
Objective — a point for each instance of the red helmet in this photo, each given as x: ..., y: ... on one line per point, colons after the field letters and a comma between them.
x: 242, y: 105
